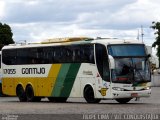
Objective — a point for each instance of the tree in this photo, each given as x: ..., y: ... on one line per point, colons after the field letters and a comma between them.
x: 156, y: 27
x: 5, y: 35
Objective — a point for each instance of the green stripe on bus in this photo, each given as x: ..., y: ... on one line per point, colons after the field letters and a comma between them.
x: 69, y: 80
x: 60, y: 80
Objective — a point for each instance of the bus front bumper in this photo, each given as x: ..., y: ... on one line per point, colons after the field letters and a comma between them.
x: 130, y: 94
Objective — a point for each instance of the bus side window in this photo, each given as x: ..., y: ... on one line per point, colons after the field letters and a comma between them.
x: 22, y: 56
x: 33, y: 56
x: 91, y: 57
x: 102, y: 62
x: 77, y: 54
x: 9, y: 57
x: 68, y: 53
x: 40, y: 57
x: 57, y: 54
x: 5, y: 56
x: 91, y: 54
x: 84, y: 53
x: 52, y: 55
x: 85, y: 50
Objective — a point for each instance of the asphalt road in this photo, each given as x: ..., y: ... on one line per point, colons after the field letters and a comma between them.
x: 44, y: 109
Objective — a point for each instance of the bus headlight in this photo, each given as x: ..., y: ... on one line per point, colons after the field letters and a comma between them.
x: 118, y: 88
x: 147, y: 88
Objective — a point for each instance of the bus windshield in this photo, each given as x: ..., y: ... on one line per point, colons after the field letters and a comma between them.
x: 124, y: 50
x: 131, y: 64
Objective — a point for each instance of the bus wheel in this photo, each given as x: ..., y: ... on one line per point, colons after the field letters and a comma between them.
x: 89, y: 95
x: 30, y: 94
x: 123, y: 100
x: 21, y: 94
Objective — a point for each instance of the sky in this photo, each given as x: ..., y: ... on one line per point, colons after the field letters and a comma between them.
x: 36, y: 20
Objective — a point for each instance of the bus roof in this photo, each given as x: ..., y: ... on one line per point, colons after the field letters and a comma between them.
x: 67, y: 39
x: 75, y: 40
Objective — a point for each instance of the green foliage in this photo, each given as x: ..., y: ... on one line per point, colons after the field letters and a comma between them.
x: 156, y: 27
x: 5, y: 35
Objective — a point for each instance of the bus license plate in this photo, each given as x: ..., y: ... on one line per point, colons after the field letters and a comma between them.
x: 134, y: 94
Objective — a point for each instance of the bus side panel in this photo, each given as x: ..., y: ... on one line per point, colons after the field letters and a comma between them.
x: 70, y: 79
x: 45, y: 86
x: 76, y: 89
x: 24, y: 81
x: 87, y: 75
x: 65, y: 80
x: 42, y: 83
x: 8, y: 86
x: 41, y: 86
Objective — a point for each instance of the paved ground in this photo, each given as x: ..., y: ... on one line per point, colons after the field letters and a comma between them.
x: 156, y: 80
x: 11, y: 105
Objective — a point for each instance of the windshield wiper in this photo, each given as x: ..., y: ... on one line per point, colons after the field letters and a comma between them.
x: 137, y: 71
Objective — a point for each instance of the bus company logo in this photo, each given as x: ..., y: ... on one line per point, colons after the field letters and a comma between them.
x: 33, y: 70
x: 87, y: 72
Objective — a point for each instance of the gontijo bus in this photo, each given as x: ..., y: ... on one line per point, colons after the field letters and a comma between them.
x: 95, y: 69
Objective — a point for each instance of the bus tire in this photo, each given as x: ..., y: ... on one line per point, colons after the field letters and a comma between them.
x: 89, y: 95
x: 57, y: 99
x: 30, y: 95
x: 123, y: 100
x: 21, y: 93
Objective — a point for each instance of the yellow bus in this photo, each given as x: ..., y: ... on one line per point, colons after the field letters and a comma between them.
x: 96, y: 69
